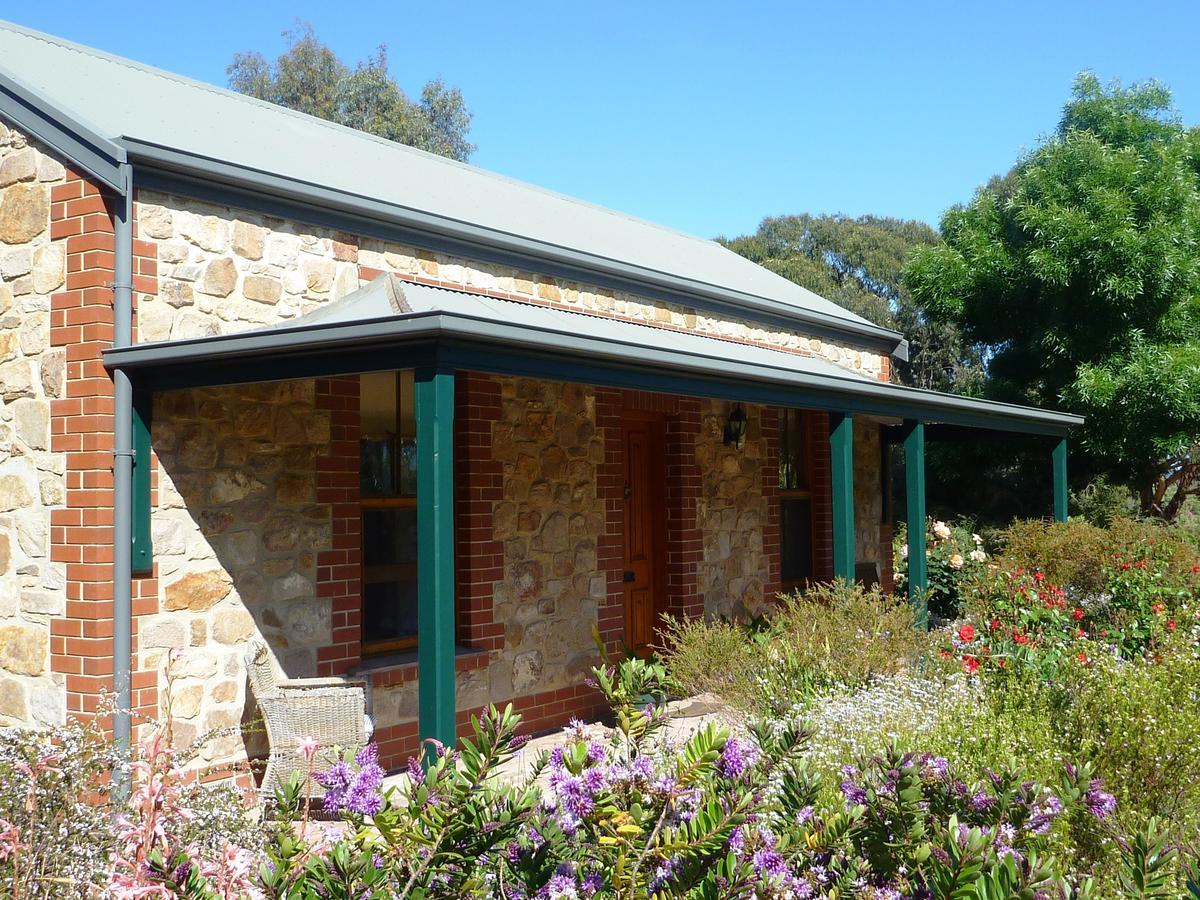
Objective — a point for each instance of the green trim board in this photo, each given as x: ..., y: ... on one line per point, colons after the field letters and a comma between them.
x: 143, y: 548
x: 841, y: 468
x: 1058, y: 458
x: 434, y: 406
x: 914, y: 481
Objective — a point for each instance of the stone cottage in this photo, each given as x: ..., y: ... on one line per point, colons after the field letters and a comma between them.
x: 265, y: 376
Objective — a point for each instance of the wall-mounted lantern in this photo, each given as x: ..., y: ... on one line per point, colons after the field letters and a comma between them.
x: 735, y: 428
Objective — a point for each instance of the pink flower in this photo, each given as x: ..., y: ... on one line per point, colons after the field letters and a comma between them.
x: 308, y: 748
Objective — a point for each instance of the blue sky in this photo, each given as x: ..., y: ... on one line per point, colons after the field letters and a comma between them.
x: 707, y: 116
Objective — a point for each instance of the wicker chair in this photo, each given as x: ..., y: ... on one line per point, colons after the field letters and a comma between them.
x: 331, y: 711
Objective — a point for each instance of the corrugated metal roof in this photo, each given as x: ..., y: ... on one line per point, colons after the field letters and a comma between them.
x: 122, y: 99
x: 388, y: 297
x: 379, y: 325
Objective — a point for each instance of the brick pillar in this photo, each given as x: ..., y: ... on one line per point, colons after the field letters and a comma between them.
x: 479, y: 486
x: 610, y: 484
x: 685, y: 545
x: 81, y: 533
x: 822, y: 494
x: 339, y: 568
x: 770, y: 488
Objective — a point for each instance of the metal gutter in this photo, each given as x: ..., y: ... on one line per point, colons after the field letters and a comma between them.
x: 168, y: 169
x: 78, y: 142
x: 487, y: 345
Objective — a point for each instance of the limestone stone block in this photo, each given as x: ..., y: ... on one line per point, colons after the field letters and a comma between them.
x: 248, y: 240
x: 197, y: 591
x: 154, y: 321
x: 291, y: 586
x: 24, y: 213
x: 19, y: 166
x: 50, y: 603
x: 206, y: 232
x: 49, y: 268
x: 53, y: 372
x: 193, y: 325
x: 23, y: 649
x: 173, y: 252
x: 13, y: 705
x: 220, y: 277
x: 16, y: 379
x: 16, y: 262
x: 318, y: 275
x: 34, y: 334
x: 179, y: 293
x: 32, y: 420
x: 186, y: 701
x: 527, y: 671
x: 283, y: 250
x: 50, y: 169
x: 230, y: 485
x: 164, y: 633
x: 48, y: 702
x: 154, y: 222
x: 5, y: 552
x: 262, y: 288
x: 232, y: 626
x: 14, y: 492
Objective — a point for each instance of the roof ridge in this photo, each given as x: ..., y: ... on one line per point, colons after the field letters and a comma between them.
x: 134, y: 64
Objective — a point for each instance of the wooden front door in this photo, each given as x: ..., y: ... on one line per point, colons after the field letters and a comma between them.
x: 645, y: 528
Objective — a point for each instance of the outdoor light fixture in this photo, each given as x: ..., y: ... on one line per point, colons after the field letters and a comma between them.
x: 735, y: 428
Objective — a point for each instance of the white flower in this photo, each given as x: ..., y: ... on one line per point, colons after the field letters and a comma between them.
x: 956, y: 561
x: 978, y: 555
x: 941, y: 531
x: 977, y: 539
x: 904, y: 551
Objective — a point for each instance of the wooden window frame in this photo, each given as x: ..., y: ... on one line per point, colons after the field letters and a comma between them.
x: 372, y: 648
x: 805, y: 493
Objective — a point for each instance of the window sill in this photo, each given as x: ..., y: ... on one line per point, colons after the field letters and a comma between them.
x: 397, y: 668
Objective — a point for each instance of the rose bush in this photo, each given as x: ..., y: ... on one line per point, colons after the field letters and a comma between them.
x: 954, y: 555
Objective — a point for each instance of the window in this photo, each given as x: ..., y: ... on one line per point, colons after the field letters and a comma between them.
x: 388, y: 489
x: 795, y: 499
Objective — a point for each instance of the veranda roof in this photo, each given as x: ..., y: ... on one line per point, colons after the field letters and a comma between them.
x: 391, y: 324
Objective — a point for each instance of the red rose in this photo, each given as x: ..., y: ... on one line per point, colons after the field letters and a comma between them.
x: 1021, y: 638
x: 1170, y: 624
x: 1078, y: 614
x: 970, y: 665
x: 995, y: 623
x: 966, y: 634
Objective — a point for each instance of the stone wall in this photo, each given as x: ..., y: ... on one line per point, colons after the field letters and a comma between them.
x: 868, y: 494
x: 236, y: 531
x: 732, y: 511
x: 224, y: 270
x: 32, y: 586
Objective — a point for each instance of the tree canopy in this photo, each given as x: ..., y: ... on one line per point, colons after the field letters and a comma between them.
x: 1079, y: 273
x: 310, y: 78
x: 858, y: 263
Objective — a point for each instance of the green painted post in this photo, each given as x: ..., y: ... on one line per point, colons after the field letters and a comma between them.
x: 841, y: 452
x: 1059, y: 459
x: 434, y: 402
x: 914, y: 481
x: 143, y: 550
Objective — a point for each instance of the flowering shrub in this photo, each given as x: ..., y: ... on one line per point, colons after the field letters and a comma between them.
x: 954, y: 555
x: 828, y: 636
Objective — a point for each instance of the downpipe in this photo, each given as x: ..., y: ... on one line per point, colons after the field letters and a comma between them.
x: 123, y: 462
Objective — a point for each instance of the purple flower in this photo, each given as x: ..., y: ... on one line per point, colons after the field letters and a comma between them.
x: 981, y: 801
x: 416, y: 773
x: 1045, y: 814
x: 1099, y: 802
x: 354, y: 792
x: 736, y: 758
x: 596, y: 752
x: 855, y: 794
x: 934, y: 767
x: 592, y: 884
x: 769, y: 863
